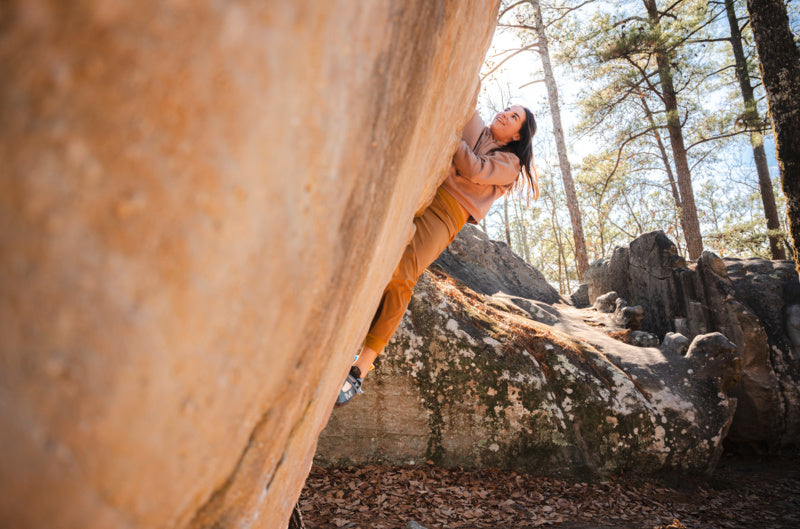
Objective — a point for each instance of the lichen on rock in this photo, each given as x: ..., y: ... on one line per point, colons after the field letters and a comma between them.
x: 500, y: 388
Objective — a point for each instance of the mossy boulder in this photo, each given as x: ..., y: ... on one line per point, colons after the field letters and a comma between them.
x: 473, y: 380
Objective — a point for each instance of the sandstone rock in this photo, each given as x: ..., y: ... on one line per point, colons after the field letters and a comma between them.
x: 628, y: 317
x: 644, y: 339
x: 645, y: 275
x: 296, y: 519
x: 746, y: 300
x: 468, y: 381
x: 716, y: 359
x: 675, y: 344
x: 580, y: 298
x: 653, y: 263
x: 536, y: 310
x: 200, y: 205
x: 769, y: 408
x: 609, y: 275
x: 607, y: 302
x: 492, y: 268
x: 793, y: 325
x: 636, y: 338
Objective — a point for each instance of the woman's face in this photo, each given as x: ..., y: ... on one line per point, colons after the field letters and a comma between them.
x: 506, y: 124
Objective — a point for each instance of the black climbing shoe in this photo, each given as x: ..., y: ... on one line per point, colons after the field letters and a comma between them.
x: 351, y: 386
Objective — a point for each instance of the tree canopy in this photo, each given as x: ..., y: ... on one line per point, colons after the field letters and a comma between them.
x: 662, y: 132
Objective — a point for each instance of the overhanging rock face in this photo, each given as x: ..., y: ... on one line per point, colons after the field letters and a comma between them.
x: 200, y: 204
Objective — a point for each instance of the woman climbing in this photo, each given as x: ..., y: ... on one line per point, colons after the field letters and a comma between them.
x: 487, y: 163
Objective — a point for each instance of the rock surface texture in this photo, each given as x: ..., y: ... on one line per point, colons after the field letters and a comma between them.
x: 752, y: 302
x: 200, y: 204
x: 482, y: 376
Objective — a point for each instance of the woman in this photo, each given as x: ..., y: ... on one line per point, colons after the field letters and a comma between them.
x: 487, y: 163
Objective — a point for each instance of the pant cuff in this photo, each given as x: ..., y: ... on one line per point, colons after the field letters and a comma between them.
x: 375, y: 343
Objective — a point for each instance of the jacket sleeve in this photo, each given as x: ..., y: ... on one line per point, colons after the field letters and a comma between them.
x: 498, y: 168
x: 473, y: 128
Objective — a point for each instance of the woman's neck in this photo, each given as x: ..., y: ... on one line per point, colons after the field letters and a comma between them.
x: 492, y: 138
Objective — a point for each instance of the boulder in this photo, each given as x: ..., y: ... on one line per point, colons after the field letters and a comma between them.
x: 491, y: 268
x: 769, y: 292
x: 715, y: 359
x: 749, y: 301
x: 471, y: 382
x: 769, y: 408
x: 675, y: 343
x: 200, y: 205
x: 606, y: 303
x: 580, y: 298
x: 644, y: 339
x: 606, y: 275
x: 628, y: 317
x: 793, y: 325
x: 654, y: 264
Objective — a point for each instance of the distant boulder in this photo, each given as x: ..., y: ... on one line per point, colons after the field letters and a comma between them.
x: 752, y: 302
x: 607, y: 302
x: 627, y: 316
x: 675, y: 343
x: 580, y: 298
x: 491, y: 267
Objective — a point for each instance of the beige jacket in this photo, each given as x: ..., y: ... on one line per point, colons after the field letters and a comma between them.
x: 478, y: 176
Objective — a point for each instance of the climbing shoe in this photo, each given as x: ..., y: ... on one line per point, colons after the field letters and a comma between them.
x: 351, y: 386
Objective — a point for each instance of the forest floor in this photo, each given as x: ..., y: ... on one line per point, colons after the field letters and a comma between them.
x: 743, y: 492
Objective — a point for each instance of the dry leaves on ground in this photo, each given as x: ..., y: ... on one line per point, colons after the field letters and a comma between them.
x: 739, y: 495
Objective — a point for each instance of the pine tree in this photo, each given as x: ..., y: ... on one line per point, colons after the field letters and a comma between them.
x: 537, y: 30
x: 780, y: 72
x: 753, y: 123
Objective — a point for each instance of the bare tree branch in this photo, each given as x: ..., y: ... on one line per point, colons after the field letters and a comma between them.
x: 716, y: 72
x: 566, y: 11
x: 719, y: 137
x: 698, y: 162
x: 516, y: 26
x: 516, y: 52
x: 509, y: 8
x: 530, y: 83
x: 670, y: 8
x: 697, y: 41
x: 622, y: 148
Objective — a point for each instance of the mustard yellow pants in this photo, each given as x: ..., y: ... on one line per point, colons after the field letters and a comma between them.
x: 436, y: 228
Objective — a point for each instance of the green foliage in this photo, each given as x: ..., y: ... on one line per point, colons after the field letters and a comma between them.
x: 622, y: 180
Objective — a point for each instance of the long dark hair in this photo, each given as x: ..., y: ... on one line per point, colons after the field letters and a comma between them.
x: 523, y: 149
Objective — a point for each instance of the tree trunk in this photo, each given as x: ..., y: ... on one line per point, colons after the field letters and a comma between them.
x: 559, y: 245
x: 505, y: 219
x: 581, y: 256
x: 753, y: 121
x: 694, y: 241
x: 665, y: 159
x: 519, y: 211
x: 779, y: 63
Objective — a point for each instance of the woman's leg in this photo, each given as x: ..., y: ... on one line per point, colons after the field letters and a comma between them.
x: 365, y: 360
x: 435, y: 230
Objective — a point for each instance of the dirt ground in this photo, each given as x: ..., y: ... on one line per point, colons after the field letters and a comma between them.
x: 743, y: 492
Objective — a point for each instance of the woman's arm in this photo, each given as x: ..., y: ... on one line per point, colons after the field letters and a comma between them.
x: 496, y: 168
